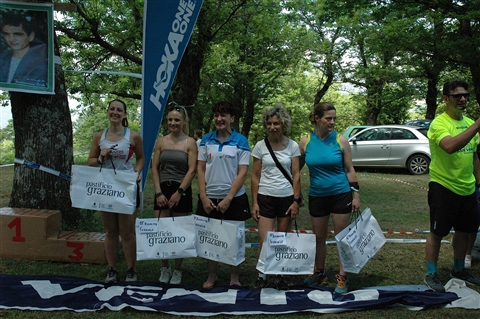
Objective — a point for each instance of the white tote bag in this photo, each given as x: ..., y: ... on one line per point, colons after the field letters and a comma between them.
x: 220, y: 240
x: 108, y: 190
x: 293, y: 255
x: 359, y: 242
x: 165, y: 238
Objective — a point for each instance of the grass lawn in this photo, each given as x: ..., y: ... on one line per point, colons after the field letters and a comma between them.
x: 397, y: 200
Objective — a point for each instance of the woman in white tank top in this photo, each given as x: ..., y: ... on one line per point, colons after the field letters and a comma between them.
x: 116, y: 146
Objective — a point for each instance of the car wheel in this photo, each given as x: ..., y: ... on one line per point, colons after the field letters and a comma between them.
x: 418, y: 164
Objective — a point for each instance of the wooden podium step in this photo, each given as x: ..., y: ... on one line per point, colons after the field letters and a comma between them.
x: 36, y: 234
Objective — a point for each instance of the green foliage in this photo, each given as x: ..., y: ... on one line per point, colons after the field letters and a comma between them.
x: 392, y: 56
x: 102, y: 36
x: 7, y: 132
x: 247, y: 66
x: 7, y: 144
x: 7, y: 152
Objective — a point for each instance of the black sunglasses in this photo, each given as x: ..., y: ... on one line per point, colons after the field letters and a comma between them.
x: 459, y: 96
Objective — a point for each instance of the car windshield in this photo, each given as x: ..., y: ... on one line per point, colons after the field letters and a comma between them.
x: 421, y: 123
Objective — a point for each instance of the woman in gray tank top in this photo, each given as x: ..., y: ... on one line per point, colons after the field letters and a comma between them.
x: 173, y: 169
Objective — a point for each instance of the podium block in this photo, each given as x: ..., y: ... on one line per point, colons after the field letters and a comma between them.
x: 86, y: 247
x: 36, y: 234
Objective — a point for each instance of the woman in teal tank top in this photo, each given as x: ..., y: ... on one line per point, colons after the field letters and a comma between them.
x: 333, y: 186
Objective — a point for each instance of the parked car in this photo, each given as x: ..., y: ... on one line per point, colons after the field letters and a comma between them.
x: 352, y: 130
x: 421, y: 123
x: 392, y: 146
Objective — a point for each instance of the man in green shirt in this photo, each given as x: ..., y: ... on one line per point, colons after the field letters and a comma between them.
x: 454, y: 170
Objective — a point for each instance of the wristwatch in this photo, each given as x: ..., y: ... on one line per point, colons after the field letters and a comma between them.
x: 298, y: 200
x: 180, y: 190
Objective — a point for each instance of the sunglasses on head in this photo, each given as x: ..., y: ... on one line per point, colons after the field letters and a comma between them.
x: 458, y: 97
x: 177, y: 108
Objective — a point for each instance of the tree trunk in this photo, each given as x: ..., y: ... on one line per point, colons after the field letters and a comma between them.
x: 431, y: 97
x: 43, y: 135
x: 374, y: 101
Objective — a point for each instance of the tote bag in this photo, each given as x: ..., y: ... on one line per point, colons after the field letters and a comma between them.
x: 108, y: 190
x: 359, y: 242
x: 294, y: 256
x: 220, y: 240
x: 165, y: 238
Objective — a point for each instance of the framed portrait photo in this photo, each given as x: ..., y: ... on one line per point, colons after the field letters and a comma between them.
x: 26, y: 47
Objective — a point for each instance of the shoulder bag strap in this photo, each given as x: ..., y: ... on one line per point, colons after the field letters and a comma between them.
x: 280, y: 167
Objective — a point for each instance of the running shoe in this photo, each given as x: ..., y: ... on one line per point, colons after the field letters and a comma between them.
x: 165, y: 275
x: 131, y: 275
x: 280, y: 283
x: 316, y: 278
x: 433, y: 282
x: 111, y: 276
x: 465, y: 276
x: 260, y: 283
x: 176, y: 277
x: 342, y: 285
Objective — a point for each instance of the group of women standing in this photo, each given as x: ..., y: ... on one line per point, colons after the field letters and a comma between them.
x: 221, y: 161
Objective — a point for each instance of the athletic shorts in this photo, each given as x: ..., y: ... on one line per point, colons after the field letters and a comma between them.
x: 185, y: 205
x: 448, y: 210
x: 325, y: 205
x: 273, y: 207
x: 239, y: 209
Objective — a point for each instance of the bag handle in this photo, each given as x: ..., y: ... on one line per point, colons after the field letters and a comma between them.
x: 111, y: 159
x: 296, y: 228
x: 280, y: 167
x: 354, y: 217
x: 114, y: 169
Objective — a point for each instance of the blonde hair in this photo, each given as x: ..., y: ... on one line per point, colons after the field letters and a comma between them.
x: 180, y: 109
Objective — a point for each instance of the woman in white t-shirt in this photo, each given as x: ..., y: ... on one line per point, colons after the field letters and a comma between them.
x: 273, y: 195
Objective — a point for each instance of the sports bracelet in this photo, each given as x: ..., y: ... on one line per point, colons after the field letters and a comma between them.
x: 355, y: 187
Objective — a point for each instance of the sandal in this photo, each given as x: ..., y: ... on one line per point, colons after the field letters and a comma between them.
x: 209, y: 284
x: 235, y: 283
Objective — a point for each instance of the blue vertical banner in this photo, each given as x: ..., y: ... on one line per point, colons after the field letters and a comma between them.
x: 168, y: 25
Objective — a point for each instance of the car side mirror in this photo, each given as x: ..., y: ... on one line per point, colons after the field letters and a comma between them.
x: 353, y: 140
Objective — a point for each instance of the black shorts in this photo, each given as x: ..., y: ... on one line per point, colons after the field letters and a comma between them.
x: 273, y: 207
x: 239, y: 209
x: 185, y: 205
x: 448, y: 210
x: 325, y: 205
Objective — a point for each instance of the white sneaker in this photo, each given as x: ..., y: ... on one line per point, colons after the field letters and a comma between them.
x: 468, y: 261
x: 176, y: 277
x: 165, y: 274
